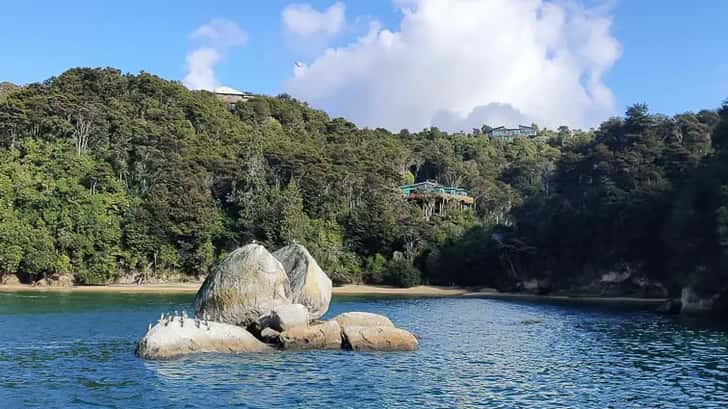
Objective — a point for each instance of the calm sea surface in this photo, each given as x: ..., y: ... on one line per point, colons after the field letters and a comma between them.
x: 76, y: 351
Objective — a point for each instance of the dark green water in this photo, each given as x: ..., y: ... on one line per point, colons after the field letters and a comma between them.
x: 76, y: 351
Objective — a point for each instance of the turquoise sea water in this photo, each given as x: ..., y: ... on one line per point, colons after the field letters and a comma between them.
x: 76, y: 351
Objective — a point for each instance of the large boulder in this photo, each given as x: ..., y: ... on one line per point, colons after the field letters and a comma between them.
x: 173, y: 338
x: 378, y: 339
x: 247, y: 284
x: 309, y: 285
x: 362, y: 319
x: 321, y: 336
x: 287, y: 316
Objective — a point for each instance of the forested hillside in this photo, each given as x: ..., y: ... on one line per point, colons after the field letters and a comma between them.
x: 104, y: 174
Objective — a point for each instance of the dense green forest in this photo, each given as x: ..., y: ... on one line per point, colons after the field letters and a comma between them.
x: 104, y: 174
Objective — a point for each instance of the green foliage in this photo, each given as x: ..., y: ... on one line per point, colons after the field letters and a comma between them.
x: 374, y: 268
x: 400, y: 272
x: 104, y: 173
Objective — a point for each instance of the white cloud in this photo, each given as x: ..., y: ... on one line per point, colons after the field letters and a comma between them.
x: 201, y: 69
x: 304, y: 21
x: 466, y: 62
x: 221, y: 33
x: 215, y: 38
x: 493, y: 113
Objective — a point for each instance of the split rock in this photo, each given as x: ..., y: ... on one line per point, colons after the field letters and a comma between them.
x: 248, y: 283
x: 309, y: 284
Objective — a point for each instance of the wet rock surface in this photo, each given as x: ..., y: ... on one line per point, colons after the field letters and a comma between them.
x: 326, y: 335
x: 385, y: 339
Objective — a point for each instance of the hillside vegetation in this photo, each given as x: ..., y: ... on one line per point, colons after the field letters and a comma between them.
x: 104, y: 174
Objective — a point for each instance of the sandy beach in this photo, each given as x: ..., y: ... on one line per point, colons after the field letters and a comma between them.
x: 193, y: 287
x: 110, y: 288
x: 346, y: 290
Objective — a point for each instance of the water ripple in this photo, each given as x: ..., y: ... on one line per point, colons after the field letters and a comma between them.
x: 76, y: 351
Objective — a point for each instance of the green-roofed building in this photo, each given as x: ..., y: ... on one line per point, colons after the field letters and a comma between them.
x: 436, y: 198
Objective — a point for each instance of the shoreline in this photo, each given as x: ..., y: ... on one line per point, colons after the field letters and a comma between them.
x: 349, y: 289
x: 346, y: 290
x: 569, y: 298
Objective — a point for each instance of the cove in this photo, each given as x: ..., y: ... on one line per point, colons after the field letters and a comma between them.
x: 75, y: 350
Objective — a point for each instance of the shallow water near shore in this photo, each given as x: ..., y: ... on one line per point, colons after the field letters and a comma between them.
x: 76, y: 350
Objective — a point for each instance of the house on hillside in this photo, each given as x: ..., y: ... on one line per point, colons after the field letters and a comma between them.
x: 436, y: 198
x: 502, y: 132
x: 231, y: 96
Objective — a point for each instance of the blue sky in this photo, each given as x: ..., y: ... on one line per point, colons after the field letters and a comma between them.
x: 672, y: 54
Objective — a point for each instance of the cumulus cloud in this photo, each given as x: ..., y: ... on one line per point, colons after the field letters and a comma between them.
x: 201, y: 68
x: 493, y: 113
x: 458, y: 64
x: 304, y: 21
x: 214, y: 38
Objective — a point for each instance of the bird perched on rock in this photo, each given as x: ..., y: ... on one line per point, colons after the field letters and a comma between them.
x: 149, y: 328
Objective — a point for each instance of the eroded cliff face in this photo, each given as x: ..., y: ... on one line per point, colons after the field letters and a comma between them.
x: 623, y: 280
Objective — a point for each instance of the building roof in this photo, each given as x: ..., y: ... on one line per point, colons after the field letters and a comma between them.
x: 427, y: 182
x: 512, y: 129
x: 431, y: 184
x: 228, y: 91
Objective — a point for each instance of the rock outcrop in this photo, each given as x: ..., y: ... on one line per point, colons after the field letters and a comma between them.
x: 9, y: 279
x: 378, y: 339
x: 170, y: 339
x: 270, y: 336
x: 536, y: 286
x: 362, y: 319
x: 247, y: 284
x: 321, y: 336
x: 309, y: 285
x: 55, y: 280
x: 287, y: 316
x: 699, y: 302
x: 254, y: 304
x: 669, y: 307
